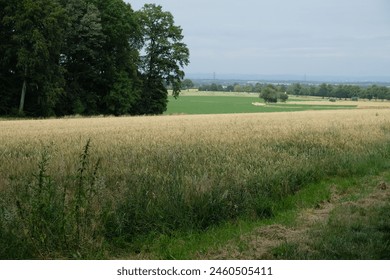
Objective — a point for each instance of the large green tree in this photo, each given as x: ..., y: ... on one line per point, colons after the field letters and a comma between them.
x: 38, y: 37
x: 118, y: 87
x: 163, y: 59
x: 80, y: 57
x: 101, y: 57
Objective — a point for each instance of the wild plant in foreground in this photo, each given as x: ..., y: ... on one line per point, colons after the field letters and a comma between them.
x: 46, y: 219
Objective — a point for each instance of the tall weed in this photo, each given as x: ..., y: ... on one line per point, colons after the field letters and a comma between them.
x: 45, y: 219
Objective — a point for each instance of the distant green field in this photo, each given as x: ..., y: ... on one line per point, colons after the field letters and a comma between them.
x: 236, y: 104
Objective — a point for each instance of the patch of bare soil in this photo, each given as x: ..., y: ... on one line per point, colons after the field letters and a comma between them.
x: 258, y: 104
x: 258, y: 243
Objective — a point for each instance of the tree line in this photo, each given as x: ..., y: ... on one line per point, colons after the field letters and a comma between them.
x: 341, y: 91
x: 324, y: 90
x: 63, y: 57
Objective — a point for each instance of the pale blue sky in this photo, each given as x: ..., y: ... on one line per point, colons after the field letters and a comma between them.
x: 313, y: 37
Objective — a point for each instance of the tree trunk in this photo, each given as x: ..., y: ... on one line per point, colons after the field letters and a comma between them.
x: 23, y: 96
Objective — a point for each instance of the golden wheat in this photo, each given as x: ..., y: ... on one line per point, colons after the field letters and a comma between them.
x: 152, y: 144
x: 20, y: 137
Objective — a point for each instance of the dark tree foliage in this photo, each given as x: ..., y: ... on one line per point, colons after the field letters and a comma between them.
x: 31, y: 47
x: 60, y: 57
x: 100, y: 58
x: 9, y: 79
x: 118, y: 87
x: 80, y: 57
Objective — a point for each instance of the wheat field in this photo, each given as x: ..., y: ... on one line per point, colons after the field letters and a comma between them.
x: 167, y: 173
x: 132, y: 142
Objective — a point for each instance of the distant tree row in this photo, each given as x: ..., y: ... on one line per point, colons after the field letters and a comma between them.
x: 61, y: 57
x: 341, y: 91
x: 232, y: 88
x: 323, y: 90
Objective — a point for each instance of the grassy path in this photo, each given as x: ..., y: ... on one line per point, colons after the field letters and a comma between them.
x: 352, y: 224
x: 340, y: 218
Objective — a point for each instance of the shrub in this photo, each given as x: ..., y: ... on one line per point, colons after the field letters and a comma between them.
x: 283, y: 96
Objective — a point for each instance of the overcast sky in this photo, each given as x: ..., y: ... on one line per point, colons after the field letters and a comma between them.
x: 276, y: 37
